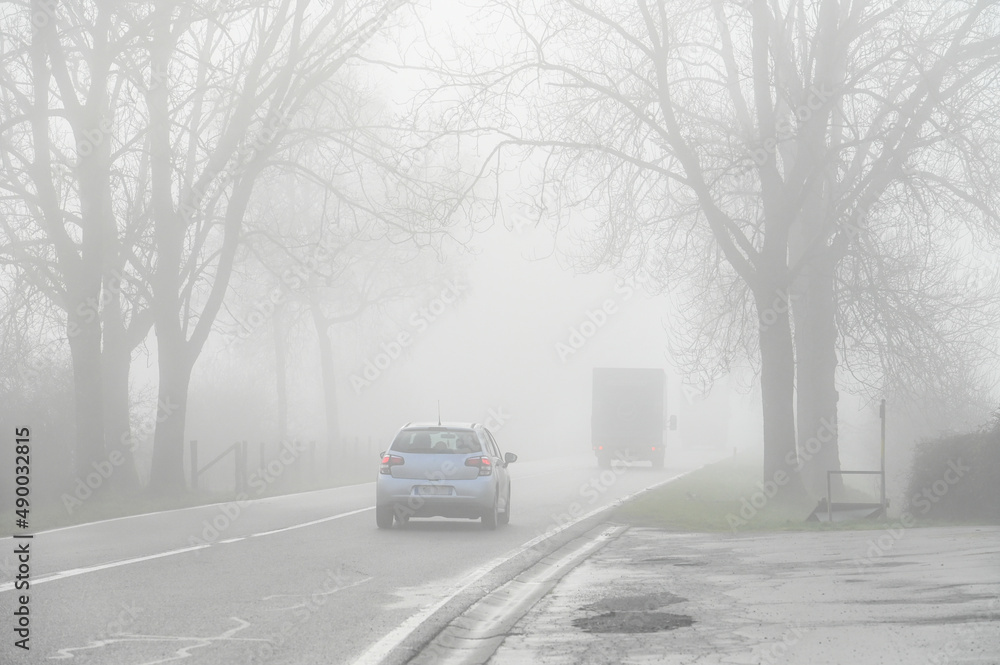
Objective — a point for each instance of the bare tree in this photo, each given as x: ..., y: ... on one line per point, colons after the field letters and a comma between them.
x: 70, y: 200
x: 231, y: 88
x: 721, y: 146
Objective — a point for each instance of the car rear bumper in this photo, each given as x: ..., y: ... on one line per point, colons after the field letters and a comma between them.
x: 469, y: 498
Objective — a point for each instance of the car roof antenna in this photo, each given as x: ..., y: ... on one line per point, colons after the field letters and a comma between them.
x: 439, y: 412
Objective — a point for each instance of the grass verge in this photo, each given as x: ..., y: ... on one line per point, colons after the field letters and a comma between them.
x: 726, y: 496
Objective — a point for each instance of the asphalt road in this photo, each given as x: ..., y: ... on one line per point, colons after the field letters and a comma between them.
x: 304, y: 578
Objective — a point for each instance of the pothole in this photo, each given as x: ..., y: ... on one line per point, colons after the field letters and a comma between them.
x: 644, y: 603
x: 673, y: 560
x: 633, y: 622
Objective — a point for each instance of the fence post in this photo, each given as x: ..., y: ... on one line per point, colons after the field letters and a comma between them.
x: 236, y: 466
x: 312, y: 461
x: 881, y: 413
x: 330, y: 446
x: 241, y: 466
x: 829, y: 498
x: 194, y: 465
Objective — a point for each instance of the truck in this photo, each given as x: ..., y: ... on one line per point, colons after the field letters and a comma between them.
x: 627, y: 416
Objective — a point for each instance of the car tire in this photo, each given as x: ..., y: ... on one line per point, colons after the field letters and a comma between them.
x: 505, y: 515
x: 491, y: 517
x: 383, y: 517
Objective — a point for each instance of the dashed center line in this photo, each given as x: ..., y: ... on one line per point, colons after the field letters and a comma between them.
x: 9, y: 586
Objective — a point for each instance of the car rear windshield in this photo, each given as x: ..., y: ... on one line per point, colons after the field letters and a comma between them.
x: 436, y: 441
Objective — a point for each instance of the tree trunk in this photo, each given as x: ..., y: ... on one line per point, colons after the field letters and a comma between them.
x: 777, y: 387
x: 814, y: 312
x: 84, y: 331
x: 777, y: 362
x: 84, y: 312
x: 329, y: 375
x: 281, y: 369
x: 116, y: 360
x: 167, y: 473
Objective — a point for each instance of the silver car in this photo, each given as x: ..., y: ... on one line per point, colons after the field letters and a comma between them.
x: 449, y: 470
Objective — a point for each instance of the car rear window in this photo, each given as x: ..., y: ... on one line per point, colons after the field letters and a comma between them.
x: 436, y: 441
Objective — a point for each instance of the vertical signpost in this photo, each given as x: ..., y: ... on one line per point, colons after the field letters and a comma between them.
x: 881, y: 413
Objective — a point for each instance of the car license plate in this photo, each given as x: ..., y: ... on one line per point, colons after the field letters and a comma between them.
x: 433, y: 490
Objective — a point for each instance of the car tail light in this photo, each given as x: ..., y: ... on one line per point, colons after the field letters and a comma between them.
x: 389, y: 461
x: 600, y: 447
x: 654, y: 448
x: 484, y: 464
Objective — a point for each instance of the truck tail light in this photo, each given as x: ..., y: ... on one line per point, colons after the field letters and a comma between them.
x: 484, y: 464
x: 389, y: 461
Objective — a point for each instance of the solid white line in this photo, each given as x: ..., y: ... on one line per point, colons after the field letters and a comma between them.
x: 319, y: 521
x: 90, y: 569
x: 125, y: 562
x: 381, y: 649
x: 262, y: 499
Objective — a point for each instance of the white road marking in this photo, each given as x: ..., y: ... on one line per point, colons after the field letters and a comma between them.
x: 179, y: 654
x: 9, y: 586
x: 319, y: 521
x: 90, y: 569
x: 312, y: 595
x: 381, y: 649
x: 265, y: 499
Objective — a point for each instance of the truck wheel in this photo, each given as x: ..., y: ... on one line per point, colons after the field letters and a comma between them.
x: 658, y: 462
x: 604, y: 460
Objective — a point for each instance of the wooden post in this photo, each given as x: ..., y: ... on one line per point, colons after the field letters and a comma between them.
x: 244, y: 445
x: 236, y: 466
x: 829, y: 499
x: 312, y: 461
x: 881, y: 413
x: 194, y: 465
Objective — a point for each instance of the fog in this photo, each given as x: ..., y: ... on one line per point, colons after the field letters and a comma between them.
x: 701, y: 266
